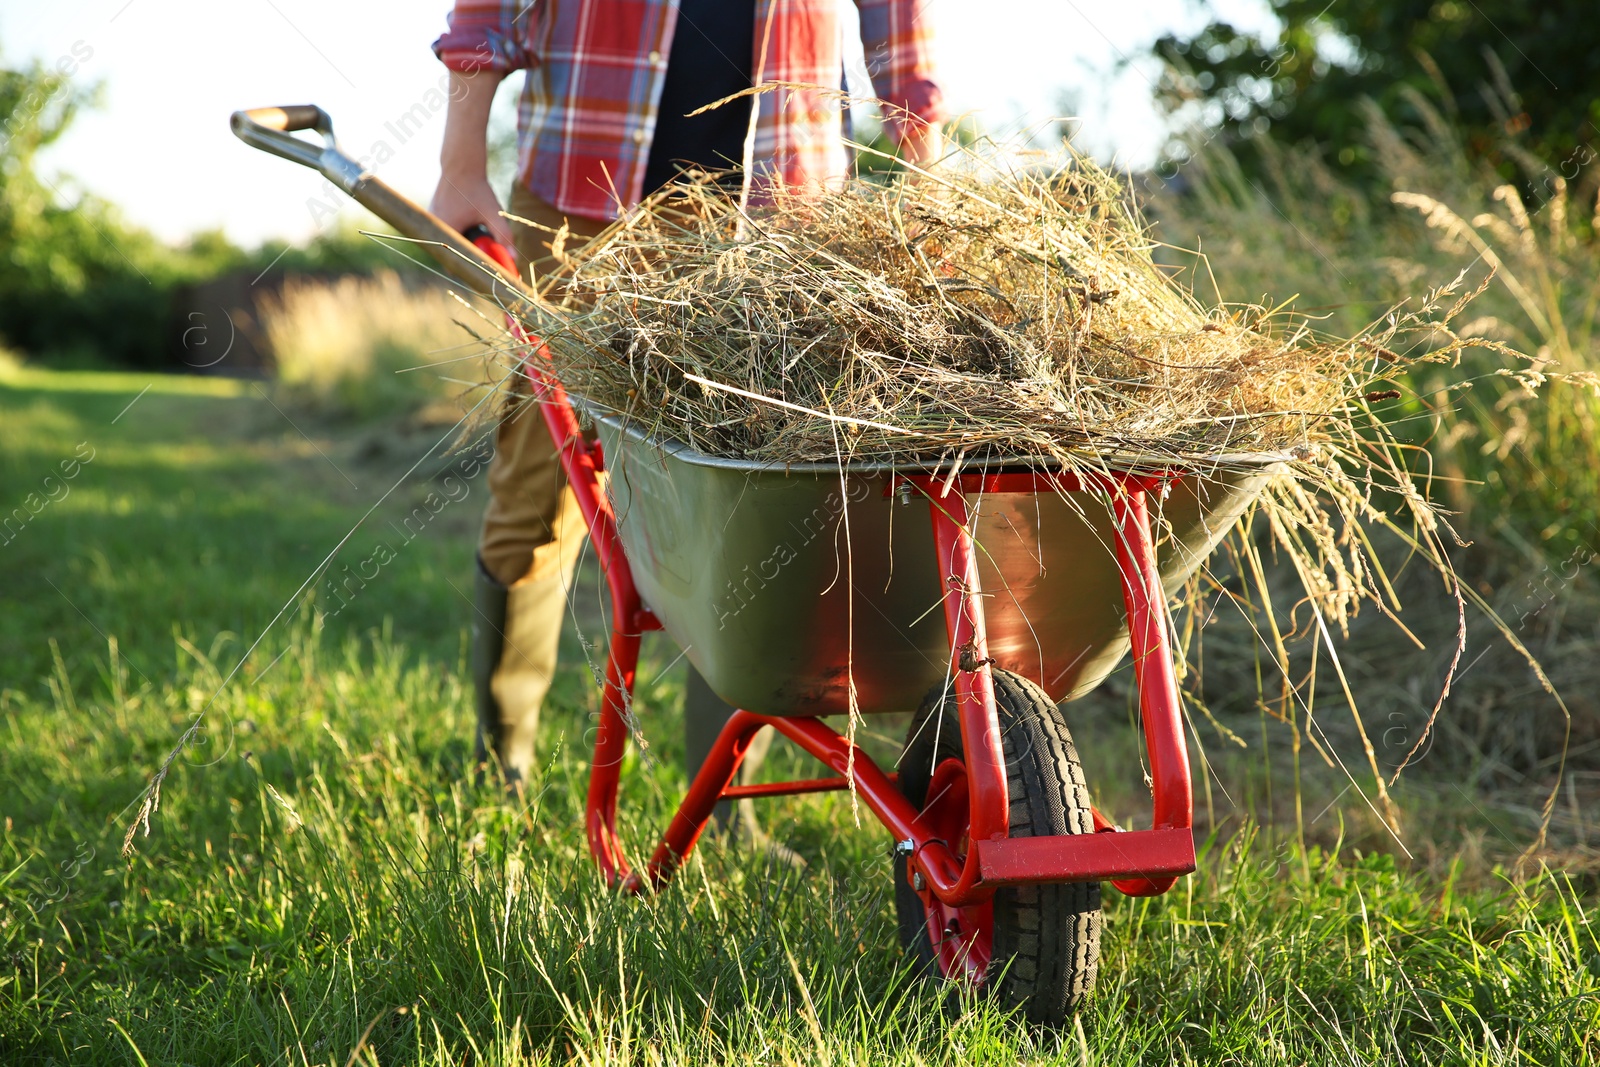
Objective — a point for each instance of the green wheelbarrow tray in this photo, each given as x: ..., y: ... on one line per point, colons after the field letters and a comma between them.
x: 746, y: 565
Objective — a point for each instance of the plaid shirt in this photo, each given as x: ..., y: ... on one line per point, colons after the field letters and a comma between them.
x: 596, y: 68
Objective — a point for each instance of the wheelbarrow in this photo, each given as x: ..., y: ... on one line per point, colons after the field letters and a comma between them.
x: 981, y: 600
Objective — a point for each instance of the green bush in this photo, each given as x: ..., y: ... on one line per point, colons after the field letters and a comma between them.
x: 1517, y: 79
x: 78, y: 283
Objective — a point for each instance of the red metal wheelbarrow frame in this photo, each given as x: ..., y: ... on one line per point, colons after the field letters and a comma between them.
x: 1137, y: 862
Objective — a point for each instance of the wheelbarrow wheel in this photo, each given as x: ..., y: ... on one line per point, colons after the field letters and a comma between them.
x: 1036, y: 947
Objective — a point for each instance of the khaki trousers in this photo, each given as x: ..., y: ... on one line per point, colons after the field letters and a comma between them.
x: 532, y: 529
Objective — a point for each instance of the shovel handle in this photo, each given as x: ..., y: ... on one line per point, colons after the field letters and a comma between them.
x: 292, y: 117
x: 272, y: 129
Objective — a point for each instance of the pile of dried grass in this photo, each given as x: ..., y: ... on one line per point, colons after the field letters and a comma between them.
x: 988, y: 313
x: 980, y: 312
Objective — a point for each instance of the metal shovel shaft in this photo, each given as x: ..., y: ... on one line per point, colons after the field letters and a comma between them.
x: 272, y: 129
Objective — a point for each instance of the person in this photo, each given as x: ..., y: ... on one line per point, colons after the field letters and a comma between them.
x: 603, y: 122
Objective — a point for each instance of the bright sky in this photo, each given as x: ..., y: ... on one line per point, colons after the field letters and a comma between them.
x: 172, y: 71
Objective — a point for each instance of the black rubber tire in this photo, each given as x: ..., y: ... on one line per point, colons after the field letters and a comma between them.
x: 1046, y: 942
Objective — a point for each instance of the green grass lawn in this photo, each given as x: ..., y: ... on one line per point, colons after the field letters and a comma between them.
x: 324, y: 884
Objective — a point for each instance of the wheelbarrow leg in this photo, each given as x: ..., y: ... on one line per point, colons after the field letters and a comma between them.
x: 583, y: 463
x: 1159, y: 707
x: 704, y: 716
x: 969, y: 667
x: 610, y: 745
x: 689, y: 822
x: 1162, y: 852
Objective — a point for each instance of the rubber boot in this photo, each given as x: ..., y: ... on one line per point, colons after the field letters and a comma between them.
x: 488, y: 639
x: 515, y: 633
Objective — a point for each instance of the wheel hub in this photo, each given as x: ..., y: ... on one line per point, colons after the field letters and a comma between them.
x: 962, y: 937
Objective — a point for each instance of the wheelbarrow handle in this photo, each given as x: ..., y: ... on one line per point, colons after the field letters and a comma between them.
x: 272, y: 129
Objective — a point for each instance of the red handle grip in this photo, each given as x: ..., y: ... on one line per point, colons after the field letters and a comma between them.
x: 479, y: 235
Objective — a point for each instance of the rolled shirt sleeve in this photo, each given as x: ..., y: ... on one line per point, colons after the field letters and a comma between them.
x: 897, y: 37
x: 486, y: 35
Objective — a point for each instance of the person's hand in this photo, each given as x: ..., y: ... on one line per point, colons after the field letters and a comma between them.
x: 463, y: 200
x: 464, y: 197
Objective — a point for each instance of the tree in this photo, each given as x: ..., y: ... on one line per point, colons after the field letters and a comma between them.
x: 73, y: 276
x: 77, y: 281
x: 1515, y: 77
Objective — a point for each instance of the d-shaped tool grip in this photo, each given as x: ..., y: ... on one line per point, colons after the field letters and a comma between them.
x: 272, y: 129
